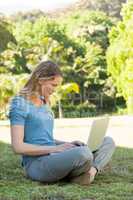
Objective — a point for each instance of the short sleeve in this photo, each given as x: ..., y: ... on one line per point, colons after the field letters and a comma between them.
x: 18, y: 111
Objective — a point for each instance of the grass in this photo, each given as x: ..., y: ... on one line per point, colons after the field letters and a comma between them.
x: 113, y: 184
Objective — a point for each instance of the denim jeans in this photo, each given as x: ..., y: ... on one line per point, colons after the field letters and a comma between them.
x: 69, y: 163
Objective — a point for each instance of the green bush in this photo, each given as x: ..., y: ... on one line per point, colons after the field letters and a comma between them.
x: 73, y: 111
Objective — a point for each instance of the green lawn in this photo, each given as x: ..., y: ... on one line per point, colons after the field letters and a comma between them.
x: 114, y: 184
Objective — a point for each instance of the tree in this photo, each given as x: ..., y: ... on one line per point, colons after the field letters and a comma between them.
x: 62, y: 93
x: 39, y: 40
x: 90, y: 30
x: 120, y: 55
x: 5, y: 34
x: 110, y: 7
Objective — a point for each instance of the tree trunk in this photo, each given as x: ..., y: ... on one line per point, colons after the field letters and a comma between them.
x: 130, y: 105
x: 60, y: 109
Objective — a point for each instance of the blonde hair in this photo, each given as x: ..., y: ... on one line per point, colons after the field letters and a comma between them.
x: 44, y: 71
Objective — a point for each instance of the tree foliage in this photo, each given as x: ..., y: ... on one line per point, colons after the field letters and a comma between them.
x: 5, y: 34
x: 110, y: 7
x: 9, y: 86
x: 120, y: 55
x: 90, y: 29
x: 77, y: 43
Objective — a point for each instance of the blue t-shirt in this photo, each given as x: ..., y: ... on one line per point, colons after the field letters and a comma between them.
x: 38, y: 122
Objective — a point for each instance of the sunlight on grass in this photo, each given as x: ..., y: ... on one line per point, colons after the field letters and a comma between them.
x: 112, y: 184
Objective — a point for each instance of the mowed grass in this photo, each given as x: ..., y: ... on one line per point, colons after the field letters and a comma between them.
x: 112, y: 184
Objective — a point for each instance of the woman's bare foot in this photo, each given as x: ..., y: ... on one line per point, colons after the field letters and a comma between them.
x: 92, y: 172
x: 83, y: 179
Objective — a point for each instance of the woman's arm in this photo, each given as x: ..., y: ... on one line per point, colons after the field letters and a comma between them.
x: 17, y: 136
x: 76, y: 142
x: 57, y: 142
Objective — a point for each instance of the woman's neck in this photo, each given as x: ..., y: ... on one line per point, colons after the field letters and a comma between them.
x: 39, y: 100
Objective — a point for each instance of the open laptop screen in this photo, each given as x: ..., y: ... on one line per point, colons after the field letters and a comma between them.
x: 97, y: 132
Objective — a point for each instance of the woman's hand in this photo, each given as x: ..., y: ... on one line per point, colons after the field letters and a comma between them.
x: 78, y: 143
x: 63, y: 147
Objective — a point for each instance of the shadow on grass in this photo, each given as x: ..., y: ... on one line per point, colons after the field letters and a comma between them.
x: 112, y: 184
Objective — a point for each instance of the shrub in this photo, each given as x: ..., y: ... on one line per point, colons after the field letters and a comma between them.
x: 73, y: 111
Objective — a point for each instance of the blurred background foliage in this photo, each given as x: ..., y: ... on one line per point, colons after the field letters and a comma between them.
x: 91, y: 42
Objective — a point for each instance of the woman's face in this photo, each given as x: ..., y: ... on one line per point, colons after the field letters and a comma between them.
x: 49, y: 86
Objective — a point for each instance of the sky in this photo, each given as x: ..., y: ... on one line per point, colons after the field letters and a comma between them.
x: 12, y: 6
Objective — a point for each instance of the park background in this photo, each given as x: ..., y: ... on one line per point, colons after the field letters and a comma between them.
x: 92, y: 42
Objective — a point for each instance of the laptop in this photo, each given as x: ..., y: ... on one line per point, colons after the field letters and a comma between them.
x: 97, y: 132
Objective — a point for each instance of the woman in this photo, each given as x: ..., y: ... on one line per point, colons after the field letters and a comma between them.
x: 43, y: 158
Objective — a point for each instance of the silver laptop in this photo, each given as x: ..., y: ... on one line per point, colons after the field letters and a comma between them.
x: 97, y: 132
